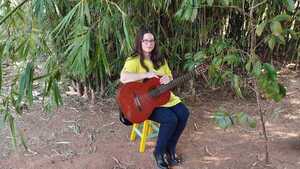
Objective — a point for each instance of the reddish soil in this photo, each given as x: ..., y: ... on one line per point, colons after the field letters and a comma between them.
x: 79, y: 135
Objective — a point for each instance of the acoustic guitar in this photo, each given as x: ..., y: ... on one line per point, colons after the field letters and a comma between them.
x: 137, y: 100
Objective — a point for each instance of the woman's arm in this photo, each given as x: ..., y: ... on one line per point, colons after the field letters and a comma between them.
x: 127, y: 77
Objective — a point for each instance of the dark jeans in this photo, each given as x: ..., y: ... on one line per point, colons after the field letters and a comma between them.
x: 172, y: 123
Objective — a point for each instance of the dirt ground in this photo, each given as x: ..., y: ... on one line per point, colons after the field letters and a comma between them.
x: 84, y: 136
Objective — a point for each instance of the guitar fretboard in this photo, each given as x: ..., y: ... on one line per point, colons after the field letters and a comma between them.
x: 172, y: 84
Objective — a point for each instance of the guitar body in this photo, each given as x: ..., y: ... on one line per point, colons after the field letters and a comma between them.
x: 135, y: 101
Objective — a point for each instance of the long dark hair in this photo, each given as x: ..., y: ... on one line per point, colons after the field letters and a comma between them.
x: 157, y: 59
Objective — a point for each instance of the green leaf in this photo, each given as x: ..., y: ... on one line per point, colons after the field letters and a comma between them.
x: 179, y: 14
x: 7, y: 48
x: 217, y: 61
x: 29, y: 83
x: 281, y: 93
x: 103, y: 58
x: 210, y: 2
x: 77, y: 54
x: 25, y: 86
x: 281, y: 39
x: 245, y: 119
x: 194, y: 14
x: 227, y: 74
x: 268, y: 83
x: 249, y: 64
x: 2, y: 124
x: 66, y: 21
x: 282, y: 17
x: 12, y: 125
x: 226, y: 2
x: 188, y: 13
x: 260, y: 28
x: 257, y: 68
x: 290, y: 4
x: 25, y: 49
x: 125, y: 28
x: 1, y: 50
x: 6, y: 114
x: 48, y: 86
x: 0, y: 74
x: 223, y: 119
x: 276, y: 28
x: 22, y: 84
x: 56, y: 94
x: 271, y: 42
x: 271, y: 72
x: 195, y: 10
x: 87, y: 12
x: 200, y: 56
x: 232, y: 59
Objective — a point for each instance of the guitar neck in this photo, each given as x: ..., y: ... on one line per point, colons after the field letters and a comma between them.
x: 172, y: 84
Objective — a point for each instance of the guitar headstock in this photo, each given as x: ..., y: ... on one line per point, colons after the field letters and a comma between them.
x: 201, y: 68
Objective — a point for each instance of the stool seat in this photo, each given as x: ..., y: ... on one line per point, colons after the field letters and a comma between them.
x: 145, y: 130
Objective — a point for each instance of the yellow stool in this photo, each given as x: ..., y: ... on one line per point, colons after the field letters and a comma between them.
x: 145, y: 130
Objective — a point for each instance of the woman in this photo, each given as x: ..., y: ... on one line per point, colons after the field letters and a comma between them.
x: 147, y: 63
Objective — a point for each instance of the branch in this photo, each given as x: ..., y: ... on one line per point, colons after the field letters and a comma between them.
x: 258, y: 44
x: 257, y: 5
x: 117, y: 6
x: 13, y: 11
x: 244, y: 52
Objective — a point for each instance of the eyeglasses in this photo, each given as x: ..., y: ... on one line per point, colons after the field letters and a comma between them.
x: 148, y: 41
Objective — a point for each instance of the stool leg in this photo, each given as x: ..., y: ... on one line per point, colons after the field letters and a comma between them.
x: 150, y: 129
x: 133, y: 133
x: 144, y: 136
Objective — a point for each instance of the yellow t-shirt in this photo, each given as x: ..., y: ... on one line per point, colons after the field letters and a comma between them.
x: 133, y: 65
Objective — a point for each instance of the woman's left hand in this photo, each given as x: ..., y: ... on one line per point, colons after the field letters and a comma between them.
x: 165, y: 79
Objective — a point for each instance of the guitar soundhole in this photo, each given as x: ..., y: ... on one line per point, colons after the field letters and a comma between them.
x: 153, y: 92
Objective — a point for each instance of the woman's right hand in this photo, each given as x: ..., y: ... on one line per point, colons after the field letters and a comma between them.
x: 151, y: 74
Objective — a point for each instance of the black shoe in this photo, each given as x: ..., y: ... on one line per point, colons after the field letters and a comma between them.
x: 172, y: 159
x: 160, y: 161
